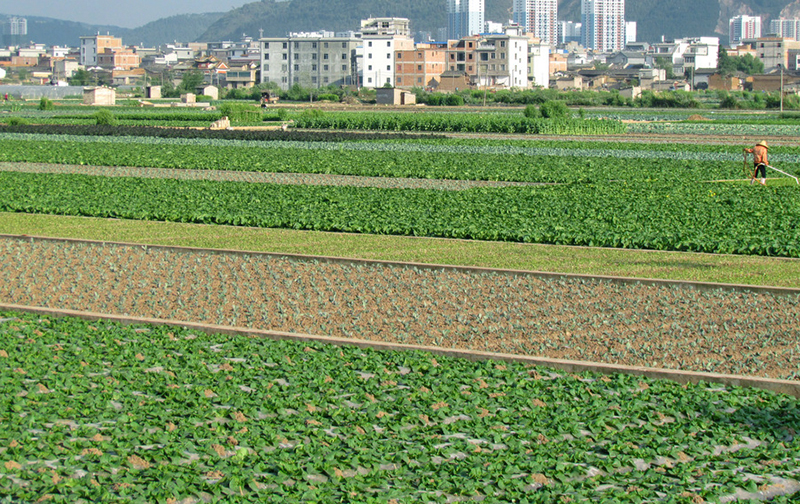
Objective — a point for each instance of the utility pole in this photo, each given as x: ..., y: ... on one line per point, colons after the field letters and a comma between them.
x: 781, y: 88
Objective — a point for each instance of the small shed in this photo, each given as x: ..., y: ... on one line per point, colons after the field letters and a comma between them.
x: 211, y: 91
x: 153, y: 92
x: 394, y: 96
x: 188, y: 98
x: 99, y: 96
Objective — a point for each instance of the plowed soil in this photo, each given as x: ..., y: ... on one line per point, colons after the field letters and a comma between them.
x: 593, y: 320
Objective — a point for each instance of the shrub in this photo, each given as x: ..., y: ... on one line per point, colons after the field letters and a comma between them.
x: 105, y: 117
x: 46, y: 104
x: 328, y: 97
x: 16, y: 121
x: 532, y: 112
x: 552, y: 109
x: 241, y: 112
x: 203, y: 98
x: 454, y: 100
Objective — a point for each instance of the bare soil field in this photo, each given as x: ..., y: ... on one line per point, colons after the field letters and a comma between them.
x: 594, y: 320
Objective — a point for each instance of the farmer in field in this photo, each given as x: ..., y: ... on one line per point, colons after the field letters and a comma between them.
x: 760, y: 161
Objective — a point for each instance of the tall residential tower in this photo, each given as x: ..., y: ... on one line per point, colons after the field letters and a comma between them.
x: 603, y: 24
x: 464, y: 18
x: 539, y: 18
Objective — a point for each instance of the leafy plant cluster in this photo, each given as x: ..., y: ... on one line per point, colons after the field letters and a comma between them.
x: 100, y: 411
x: 644, y: 215
x: 461, y: 122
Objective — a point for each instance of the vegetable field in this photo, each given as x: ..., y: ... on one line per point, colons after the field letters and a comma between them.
x: 98, y: 411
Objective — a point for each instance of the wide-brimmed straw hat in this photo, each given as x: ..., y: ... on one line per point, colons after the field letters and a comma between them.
x: 762, y: 143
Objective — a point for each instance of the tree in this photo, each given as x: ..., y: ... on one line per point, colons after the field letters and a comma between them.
x: 665, y: 63
x: 191, y: 80
x: 81, y: 78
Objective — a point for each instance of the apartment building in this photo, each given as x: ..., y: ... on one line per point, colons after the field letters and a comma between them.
x: 93, y: 46
x: 538, y: 63
x: 502, y: 60
x: 378, y: 58
x: 464, y: 18
x: 785, y: 28
x: 311, y: 60
x: 538, y: 18
x: 118, y: 59
x: 688, y: 53
x: 603, y: 25
x: 743, y: 27
x: 420, y: 67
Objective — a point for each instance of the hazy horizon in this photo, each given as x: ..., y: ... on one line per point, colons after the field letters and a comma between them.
x: 122, y: 14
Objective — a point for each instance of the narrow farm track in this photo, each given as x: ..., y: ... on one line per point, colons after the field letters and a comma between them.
x: 578, y: 319
x: 257, y: 177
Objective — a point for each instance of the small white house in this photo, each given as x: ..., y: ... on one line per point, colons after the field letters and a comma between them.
x: 211, y: 91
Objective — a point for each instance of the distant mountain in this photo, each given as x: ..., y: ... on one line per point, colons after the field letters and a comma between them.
x: 655, y: 18
x: 183, y: 28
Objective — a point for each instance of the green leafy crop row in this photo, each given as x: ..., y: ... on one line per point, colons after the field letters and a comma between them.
x: 99, y: 411
x: 718, y: 218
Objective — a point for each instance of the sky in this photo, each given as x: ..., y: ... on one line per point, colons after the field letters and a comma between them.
x: 127, y: 14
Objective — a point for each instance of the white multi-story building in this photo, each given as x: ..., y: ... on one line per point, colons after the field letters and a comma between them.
x: 310, y: 60
x: 464, y: 18
x: 538, y: 64
x: 603, y: 24
x: 378, y: 58
x: 631, y: 28
x: 785, y: 28
x: 538, y: 18
x: 743, y: 27
x: 688, y: 53
x: 502, y: 59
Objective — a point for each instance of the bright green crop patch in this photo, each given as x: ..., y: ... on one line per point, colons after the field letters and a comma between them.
x: 717, y: 218
x: 99, y: 411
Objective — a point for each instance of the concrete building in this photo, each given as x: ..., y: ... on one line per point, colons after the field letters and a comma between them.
x: 310, y: 60
x: 538, y: 18
x: 502, y: 60
x: 92, y: 47
x: 743, y: 27
x: 464, y: 18
x: 603, y: 24
x: 118, y: 59
x: 385, y: 26
x: 378, y: 58
x: 420, y: 67
x: 631, y: 29
x: 99, y: 96
x: 688, y: 53
x: 774, y: 52
x: 539, y: 63
x: 784, y: 28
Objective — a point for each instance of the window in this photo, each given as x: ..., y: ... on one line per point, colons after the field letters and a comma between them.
x: 324, y: 45
x: 314, y: 80
x: 344, y: 56
x: 419, y: 80
x: 388, y: 56
x: 266, y: 68
x: 266, y: 56
x: 313, y: 45
x: 502, y: 55
x: 502, y: 43
x: 296, y: 68
x: 285, y: 79
x: 369, y: 44
x: 296, y: 56
x: 344, y: 68
x: 399, y: 55
x: 284, y: 68
x: 399, y: 80
x: 313, y: 68
x: 388, y: 44
x: 325, y: 67
x: 285, y: 56
x: 324, y: 56
x: 369, y: 56
x: 369, y: 79
x: 344, y: 45
x: 388, y: 68
x: 419, y: 68
x: 297, y: 45
x: 285, y: 45
x: 296, y: 79
x: 494, y: 55
x: 314, y: 56
x: 324, y: 80
x: 266, y: 45
x: 369, y: 68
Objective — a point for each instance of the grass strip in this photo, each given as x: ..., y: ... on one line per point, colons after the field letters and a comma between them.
x: 732, y: 269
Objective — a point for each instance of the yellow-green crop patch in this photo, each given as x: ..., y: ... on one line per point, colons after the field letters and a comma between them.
x: 99, y: 411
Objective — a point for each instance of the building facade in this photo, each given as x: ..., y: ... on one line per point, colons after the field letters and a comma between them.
x: 785, y: 28
x: 603, y: 25
x: 569, y: 31
x: 420, y: 67
x: 378, y: 58
x: 538, y: 18
x: 743, y: 27
x: 502, y: 60
x: 92, y: 46
x: 464, y: 18
x: 310, y: 60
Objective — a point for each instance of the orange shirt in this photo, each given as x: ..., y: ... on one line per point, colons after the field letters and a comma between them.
x: 759, y: 154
